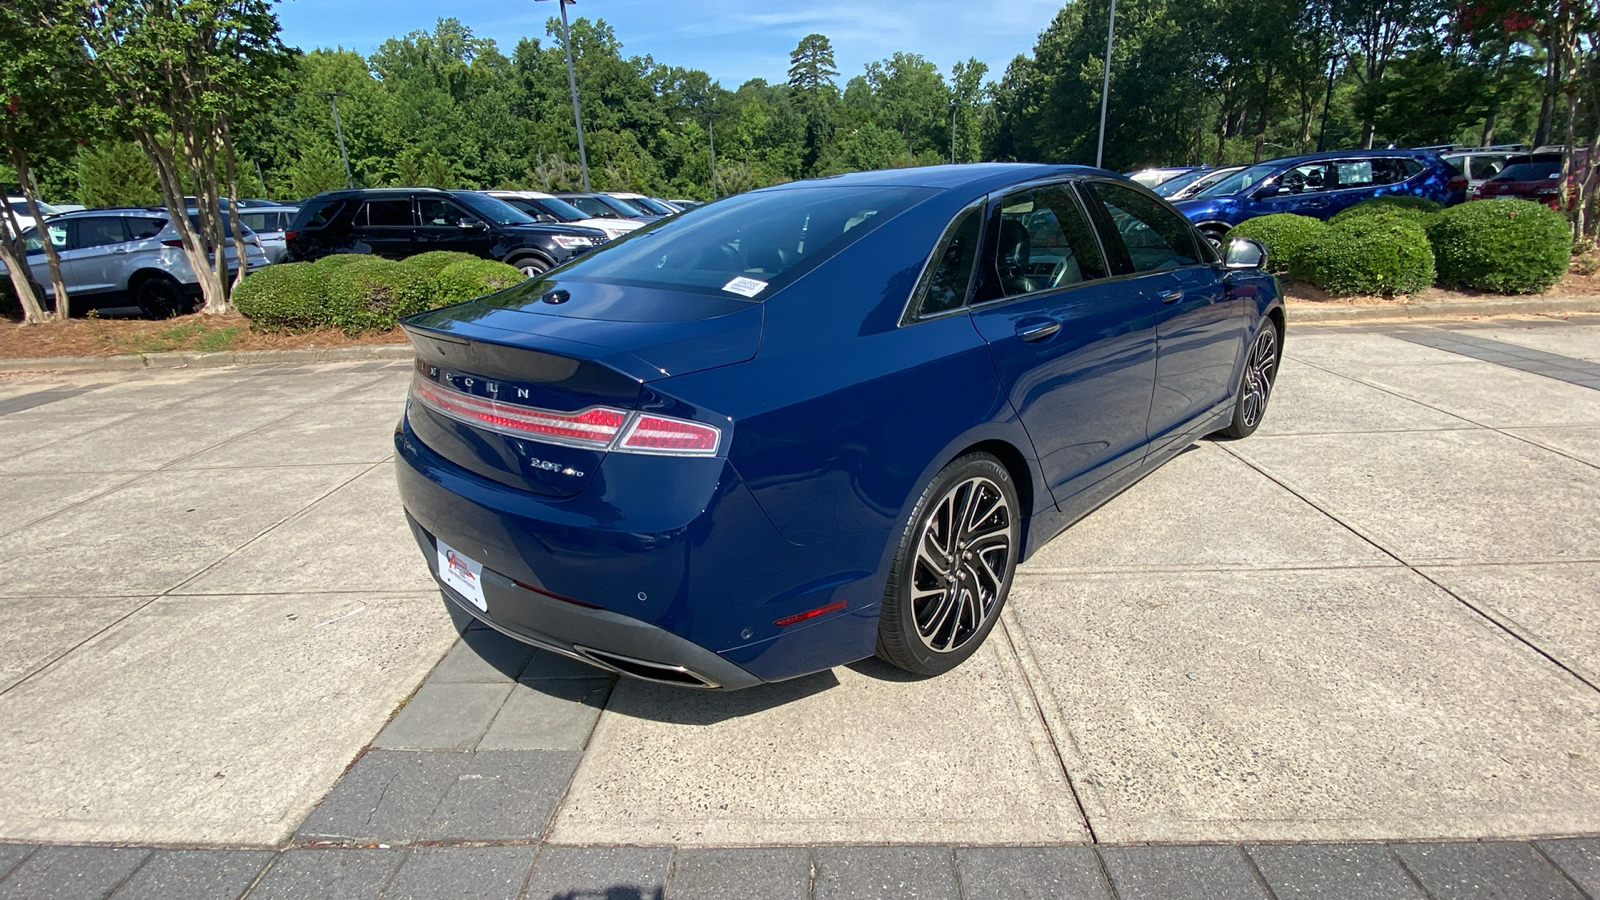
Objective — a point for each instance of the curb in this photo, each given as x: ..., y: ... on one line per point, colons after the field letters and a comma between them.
x: 1318, y: 314
x: 181, y: 359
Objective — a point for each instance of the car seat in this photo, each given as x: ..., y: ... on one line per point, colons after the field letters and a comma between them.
x: 1015, y: 248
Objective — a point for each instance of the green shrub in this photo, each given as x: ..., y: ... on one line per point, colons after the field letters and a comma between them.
x: 373, y: 293
x: 284, y: 297
x: 472, y: 278
x: 1506, y: 246
x: 1419, y: 210
x: 430, y: 264
x: 1384, y: 255
x: 1283, y: 234
x: 339, y: 260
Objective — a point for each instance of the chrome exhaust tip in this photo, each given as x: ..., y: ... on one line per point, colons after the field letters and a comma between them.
x: 645, y: 670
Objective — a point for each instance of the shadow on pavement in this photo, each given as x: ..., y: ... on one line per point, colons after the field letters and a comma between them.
x: 685, y: 706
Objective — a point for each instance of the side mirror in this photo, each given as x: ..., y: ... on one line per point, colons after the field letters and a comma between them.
x: 466, y: 224
x: 545, y: 219
x: 1244, y: 253
x: 1265, y: 191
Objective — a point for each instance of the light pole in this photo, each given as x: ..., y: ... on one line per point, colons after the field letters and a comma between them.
x: 1105, y: 86
x: 711, y: 130
x: 338, y: 130
x: 572, y: 81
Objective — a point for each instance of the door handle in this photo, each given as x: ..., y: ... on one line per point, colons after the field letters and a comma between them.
x: 1172, y: 296
x: 1038, y: 331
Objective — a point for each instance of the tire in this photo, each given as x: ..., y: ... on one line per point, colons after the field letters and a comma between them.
x: 1255, y: 383
x: 159, y: 297
x: 1215, y: 235
x: 950, y: 579
x: 531, y: 266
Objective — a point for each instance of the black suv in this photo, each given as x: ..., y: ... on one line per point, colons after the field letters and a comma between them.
x: 401, y: 222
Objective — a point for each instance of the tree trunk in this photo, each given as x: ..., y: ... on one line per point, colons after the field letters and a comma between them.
x: 163, y: 158
x: 1552, y: 86
x: 1261, y: 117
x: 228, y: 162
x: 15, y: 258
x: 30, y: 196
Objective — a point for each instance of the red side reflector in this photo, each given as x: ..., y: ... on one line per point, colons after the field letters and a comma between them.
x: 657, y: 434
x: 819, y: 611
x: 172, y: 243
x: 544, y: 593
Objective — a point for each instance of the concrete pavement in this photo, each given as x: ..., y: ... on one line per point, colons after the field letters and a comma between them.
x: 1373, y: 621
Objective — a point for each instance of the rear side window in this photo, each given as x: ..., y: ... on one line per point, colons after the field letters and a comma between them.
x: 98, y: 231
x: 259, y: 221
x: 142, y: 228
x: 944, y: 284
x: 1485, y: 167
x: 318, y: 213
x: 1156, y: 237
x: 747, y: 243
x: 1045, y: 242
x: 385, y: 214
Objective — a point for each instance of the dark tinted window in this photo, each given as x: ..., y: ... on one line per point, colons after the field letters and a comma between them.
x: 593, y: 208
x: 437, y: 211
x: 141, y: 228
x: 1309, y: 179
x: 493, y: 209
x: 1240, y: 181
x: 1529, y: 172
x: 385, y: 214
x: 1484, y: 167
x: 1156, y: 237
x: 944, y: 285
x: 97, y: 231
x: 1045, y: 242
x: 745, y: 243
x: 319, y: 213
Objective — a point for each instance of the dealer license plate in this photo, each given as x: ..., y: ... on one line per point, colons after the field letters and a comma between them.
x: 463, y: 573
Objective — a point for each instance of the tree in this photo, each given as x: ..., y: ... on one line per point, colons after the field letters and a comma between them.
x: 967, y: 96
x: 115, y: 173
x: 183, y: 72
x: 43, y: 96
x: 811, y: 74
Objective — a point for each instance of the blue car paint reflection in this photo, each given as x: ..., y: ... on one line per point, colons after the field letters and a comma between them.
x: 1267, y: 192
x: 835, y: 408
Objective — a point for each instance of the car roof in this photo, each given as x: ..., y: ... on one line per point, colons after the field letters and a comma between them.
x: 526, y: 195
x: 347, y: 193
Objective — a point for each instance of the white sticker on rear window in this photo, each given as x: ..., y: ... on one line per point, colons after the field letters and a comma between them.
x: 745, y: 287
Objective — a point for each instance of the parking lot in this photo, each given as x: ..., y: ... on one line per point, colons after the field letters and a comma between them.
x: 1376, y: 620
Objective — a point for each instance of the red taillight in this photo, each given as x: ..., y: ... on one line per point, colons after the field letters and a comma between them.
x: 658, y: 434
x: 290, y: 235
x: 1458, y: 183
x: 595, y: 428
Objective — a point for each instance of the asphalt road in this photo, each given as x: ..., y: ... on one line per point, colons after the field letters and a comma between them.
x: 1376, y: 620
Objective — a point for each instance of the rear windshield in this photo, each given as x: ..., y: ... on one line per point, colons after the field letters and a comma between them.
x: 745, y: 244
x: 1173, y: 185
x: 548, y: 206
x: 318, y: 213
x: 652, y: 205
x: 1529, y: 172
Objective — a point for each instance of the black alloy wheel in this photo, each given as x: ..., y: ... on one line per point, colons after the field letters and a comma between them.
x: 1255, y: 383
x: 159, y: 297
x: 953, y: 568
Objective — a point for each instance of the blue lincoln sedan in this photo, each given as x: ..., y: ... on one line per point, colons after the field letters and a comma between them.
x: 820, y: 421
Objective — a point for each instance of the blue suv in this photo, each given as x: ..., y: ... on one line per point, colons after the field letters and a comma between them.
x: 1320, y: 185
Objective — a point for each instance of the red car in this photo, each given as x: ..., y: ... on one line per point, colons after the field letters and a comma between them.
x: 1536, y: 178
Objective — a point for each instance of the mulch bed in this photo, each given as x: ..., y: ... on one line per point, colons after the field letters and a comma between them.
x: 195, y: 332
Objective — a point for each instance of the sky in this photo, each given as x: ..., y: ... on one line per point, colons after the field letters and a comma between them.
x: 733, y: 40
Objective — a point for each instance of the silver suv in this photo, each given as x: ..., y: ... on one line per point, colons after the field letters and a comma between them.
x: 269, y: 224
x: 117, y: 258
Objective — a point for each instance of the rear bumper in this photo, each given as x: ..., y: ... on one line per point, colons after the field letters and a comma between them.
x: 671, y: 568
x: 596, y: 636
